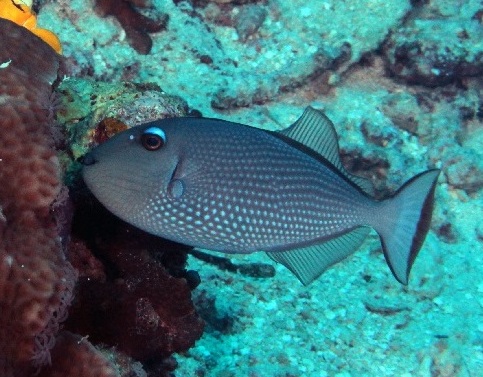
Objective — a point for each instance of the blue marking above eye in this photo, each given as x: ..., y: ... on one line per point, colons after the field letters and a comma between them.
x: 155, y: 131
x: 153, y: 138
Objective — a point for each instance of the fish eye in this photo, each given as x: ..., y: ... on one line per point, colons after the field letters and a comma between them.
x: 153, y: 138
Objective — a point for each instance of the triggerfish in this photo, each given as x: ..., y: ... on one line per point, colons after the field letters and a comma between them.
x: 234, y: 188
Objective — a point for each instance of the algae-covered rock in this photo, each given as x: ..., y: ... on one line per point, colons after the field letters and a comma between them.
x: 92, y: 111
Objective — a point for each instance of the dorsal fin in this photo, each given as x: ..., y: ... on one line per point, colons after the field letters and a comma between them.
x: 316, y: 132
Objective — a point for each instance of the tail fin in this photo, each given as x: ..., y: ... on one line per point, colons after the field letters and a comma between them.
x: 405, y: 222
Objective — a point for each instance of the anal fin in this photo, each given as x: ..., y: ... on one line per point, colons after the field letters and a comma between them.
x: 308, y: 263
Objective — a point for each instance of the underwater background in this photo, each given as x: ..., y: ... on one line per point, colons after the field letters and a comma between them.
x: 402, y: 82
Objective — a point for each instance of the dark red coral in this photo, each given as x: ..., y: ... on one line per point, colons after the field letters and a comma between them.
x: 136, y: 304
x: 136, y: 25
x: 36, y: 281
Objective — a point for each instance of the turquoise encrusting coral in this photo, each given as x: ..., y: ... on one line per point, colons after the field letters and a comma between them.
x: 402, y: 82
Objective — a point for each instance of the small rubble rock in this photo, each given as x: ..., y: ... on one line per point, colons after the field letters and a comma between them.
x: 400, y: 108
x: 249, y: 20
x: 465, y: 172
x: 435, y: 52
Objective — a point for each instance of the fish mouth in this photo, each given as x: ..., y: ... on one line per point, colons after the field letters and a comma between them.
x: 87, y: 159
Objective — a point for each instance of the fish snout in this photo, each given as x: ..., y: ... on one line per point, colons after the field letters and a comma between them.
x: 87, y: 159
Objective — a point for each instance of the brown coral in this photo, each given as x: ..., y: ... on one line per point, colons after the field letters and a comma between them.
x: 36, y: 281
x: 136, y: 25
x: 75, y: 356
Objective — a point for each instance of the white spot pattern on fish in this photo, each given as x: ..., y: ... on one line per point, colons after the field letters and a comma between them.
x: 233, y: 188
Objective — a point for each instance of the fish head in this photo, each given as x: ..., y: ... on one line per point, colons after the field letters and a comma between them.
x: 135, y: 167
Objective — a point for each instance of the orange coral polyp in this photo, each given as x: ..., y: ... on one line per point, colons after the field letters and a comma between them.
x: 20, y: 13
x: 17, y: 12
x: 30, y: 23
x: 48, y: 37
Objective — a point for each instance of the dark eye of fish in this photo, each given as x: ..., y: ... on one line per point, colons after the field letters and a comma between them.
x: 153, y: 138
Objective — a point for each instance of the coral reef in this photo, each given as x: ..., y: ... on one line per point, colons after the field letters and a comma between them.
x: 339, y: 56
x: 75, y: 356
x: 133, y: 289
x: 284, y: 52
x: 36, y: 281
x: 136, y: 25
x: 121, y: 289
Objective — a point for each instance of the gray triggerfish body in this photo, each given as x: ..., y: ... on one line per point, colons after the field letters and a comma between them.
x: 233, y: 188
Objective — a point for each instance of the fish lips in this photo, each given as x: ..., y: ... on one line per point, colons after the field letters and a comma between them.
x: 87, y: 159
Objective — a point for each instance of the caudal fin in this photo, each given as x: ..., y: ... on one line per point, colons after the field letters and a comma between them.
x: 405, y: 222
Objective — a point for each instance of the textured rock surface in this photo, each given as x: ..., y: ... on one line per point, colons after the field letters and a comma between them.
x: 75, y: 356
x: 36, y: 280
x: 136, y: 25
x: 439, y: 45
x: 288, y: 50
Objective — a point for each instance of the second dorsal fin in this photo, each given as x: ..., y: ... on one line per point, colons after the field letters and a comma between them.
x: 316, y: 132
